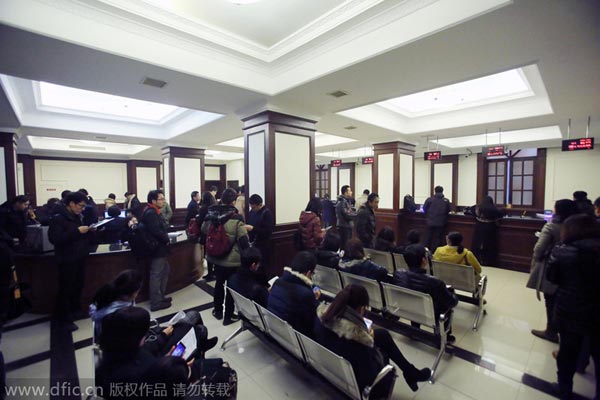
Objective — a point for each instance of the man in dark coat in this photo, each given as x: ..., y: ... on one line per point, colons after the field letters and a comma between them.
x: 159, y: 265
x: 365, y: 220
x: 132, y: 204
x: 444, y: 299
x: 345, y: 214
x: 260, y: 228
x: 192, y: 207
x: 292, y: 297
x: 436, y: 209
x: 71, y: 240
x: 90, y: 212
x: 248, y: 281
x: 13, y: 218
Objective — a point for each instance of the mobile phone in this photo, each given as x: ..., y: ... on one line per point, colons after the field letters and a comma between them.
x: 179, y: 350
x: 316, y: 289
x: 368, y: 322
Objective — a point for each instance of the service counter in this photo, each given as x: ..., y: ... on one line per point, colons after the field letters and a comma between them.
x: 103, y: 264
x: 516, y: 235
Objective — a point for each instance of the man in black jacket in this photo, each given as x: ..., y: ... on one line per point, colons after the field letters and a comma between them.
x: 13, y: 218
x: 417, y: 279
x: 260, y: 228
x: 436, y: 209
x: 159, y: 265
x: 365, y: 221
x: 292, y: 297
x: 248, y: 281
x: 192, y: 207
x: 71, y: 240
x: 345, y: 215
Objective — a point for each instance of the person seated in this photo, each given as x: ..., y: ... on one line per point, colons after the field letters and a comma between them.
x: 46, y: 212
x: 110, y: 201
x: 416, y: 278
x: 386, y: 241
x: 355, y: 262
x: 309, y: 225
x: 341, y: 327
x: 113, y: 296
x: 114, y: 230
x: 328, y: 254
x: 455, y: 253
x: 248, y: 281
x: 292, y: 296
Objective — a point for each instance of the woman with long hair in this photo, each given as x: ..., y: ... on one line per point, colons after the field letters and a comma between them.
x: 574, y: 267
x: 485, y: 235
x: 454, y: 252
x: 355, y: 262
x: 310, y: 224
x: 549, y: 237
x: 206, y: 201
x: 343, y: 330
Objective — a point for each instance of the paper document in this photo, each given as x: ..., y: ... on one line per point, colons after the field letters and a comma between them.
x: 176, y: 318
x: 190, y: 343
x: 272, y: 280
x: 99, y: 224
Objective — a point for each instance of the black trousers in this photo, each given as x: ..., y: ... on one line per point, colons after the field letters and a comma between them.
x: 71, y: 277
x: 223, y: 274
x: 435, y: 237
x: 550, y: 301
x: 345, y: 235
x: 566, y: 362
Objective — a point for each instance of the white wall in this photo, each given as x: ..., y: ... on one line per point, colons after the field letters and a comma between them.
x: 385, y: 180
x: 145, y: 178
x: 235, y: 171
x: 166, y: 178
x: 20, y: 179
x: 422, y: 180
x: 344, y: 180
x: 212, y: 173
x: 442, y: 176
x: 467, y: 180
x: 292, y: 176
x: 256, y: 165
x: 188, y: 177
x: 567, y: 172
x: 406, y: 177
x: 334, y: 190
x: 363, y: 178
x: 99, y: 178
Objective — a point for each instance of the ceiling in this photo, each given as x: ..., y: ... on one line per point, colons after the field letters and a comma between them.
x: 286, y: 56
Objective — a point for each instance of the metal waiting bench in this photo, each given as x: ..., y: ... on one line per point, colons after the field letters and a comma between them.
x: 399, y: 262
x: 463, y: 278
x: 382, y: 258
x: 375, y: 297
x: 328, y: 279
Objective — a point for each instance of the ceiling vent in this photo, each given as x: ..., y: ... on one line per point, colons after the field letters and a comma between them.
x: 157, y: 83
x: 351, y: 127
x: 80, y: 147
x: 338, y: 93
x: 100, y: 137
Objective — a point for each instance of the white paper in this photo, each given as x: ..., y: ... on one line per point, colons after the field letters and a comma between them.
x: 176, y: 318
x: 99, y: 224
x: 190, y: 343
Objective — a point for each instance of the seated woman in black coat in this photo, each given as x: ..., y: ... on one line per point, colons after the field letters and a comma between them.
x: 327, y: 254
x: 341, y: 328
x: 355, y: 262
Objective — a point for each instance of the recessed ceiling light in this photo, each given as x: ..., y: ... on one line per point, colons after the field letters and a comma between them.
x: 324, y: 139
x: 243, y: 2
x: 508, y: 137
x: 62, y: 144
x: 360, y: 152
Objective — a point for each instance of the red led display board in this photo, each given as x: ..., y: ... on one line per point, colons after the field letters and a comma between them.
x: 493, y: 151
x: 433, y: 155
x: 578, y: 144
x: 336, y: 163
x: 368, y: 160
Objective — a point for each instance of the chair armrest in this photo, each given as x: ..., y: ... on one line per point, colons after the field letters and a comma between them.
x: 382, y: 374
x: 482, y: 285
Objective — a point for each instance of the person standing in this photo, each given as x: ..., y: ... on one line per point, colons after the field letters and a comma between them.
x: 362, y: 199
x: 90, y: 212
x: 206, y: 201
x: 436, y: 209
x: 485, y: 236
x: 192, y: 207
x: 365, y: 220
x: 13, y: 218
x: 240, y: 201
x: 310, y: 225
x: 159, y: 265
x: 328, y: 212
x: 345, y: 214
x: 71, y: 240
x: 260, y: 228
x: 584, y: 205
x: 132, y: 204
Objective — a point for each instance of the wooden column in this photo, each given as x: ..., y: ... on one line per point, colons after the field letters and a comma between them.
x: 8, y: 175
x: 279, y: 165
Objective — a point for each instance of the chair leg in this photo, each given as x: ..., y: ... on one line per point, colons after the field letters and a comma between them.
x: 480, y: 308
x: 443, y: 334
x: 239, y: 330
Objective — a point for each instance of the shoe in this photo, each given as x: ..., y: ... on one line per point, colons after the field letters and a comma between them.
x: 161, y: 306
x: 210, y: 343
x: 545, y: 335
x: 450, y: 338
x: 217, y: 314
x: 169, y: 299
x: 230, y: 320
x: 415, y: 375
x: 70, y: 326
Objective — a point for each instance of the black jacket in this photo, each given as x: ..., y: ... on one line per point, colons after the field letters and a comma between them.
x: 365, y: 226
x: 120, y: 369
x: 293, y: 300
x: 251, y: 285
x: 90, y: 212
x: 262, y: 221
x: 366, y: 268
x: 69, y: 244
x: 156, y: 228
x: 112, y: 231
x: 436, y: 210
x: 575, y: 268
x: 418, y: 280
x: 192, y: 211
x: 328, y: 258
x: 385, y: 245
x: 202, y: 213
x: 344, y: 213
x: 13, y: 222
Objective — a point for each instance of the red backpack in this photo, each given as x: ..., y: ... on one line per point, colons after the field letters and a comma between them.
x: 217, y: 241
x: 193, y: 230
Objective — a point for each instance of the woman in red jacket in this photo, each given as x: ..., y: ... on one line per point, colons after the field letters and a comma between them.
x: 310, y: 225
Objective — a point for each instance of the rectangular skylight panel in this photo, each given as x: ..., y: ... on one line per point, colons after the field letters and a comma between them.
x: 67, y: 98
x: 360, y: 152
x: 475, y: 92
x: 237, y: 142
x: 62, y: 144
x: 508, y: 137
x: 324, y: 139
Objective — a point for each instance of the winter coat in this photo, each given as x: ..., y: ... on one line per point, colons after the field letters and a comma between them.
x: 112, y: 231
x: 292, y: 299
x: 90, y: 212
x: 236, y: 232
x: 348, y: 337
x: 262, y: 221
x: 328, y: 212
x: 123, y: 369
x: 365, y: 226
x: 69, y: 244
x: 310, y: 229
x: 344, y: 213
x: 436, y: 209
x: 166, y: 213
x: 549, y: 237
x: 156, y: 227
x: 327, y: 258
x: 420, y: 281
x: 575, y: 268
x: 108, y: 202
x: 366, y: 268
x: 134, y: 206
x: 13, y: 222
x: 450, y: 254
x: 385, y: 245
x: 251, y: 285
x: 98, y: 315
x: 192, y: 211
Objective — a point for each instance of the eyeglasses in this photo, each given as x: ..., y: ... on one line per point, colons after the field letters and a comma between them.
x: 80, y: 205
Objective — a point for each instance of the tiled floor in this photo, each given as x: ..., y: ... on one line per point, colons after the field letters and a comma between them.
x: 503, y: 340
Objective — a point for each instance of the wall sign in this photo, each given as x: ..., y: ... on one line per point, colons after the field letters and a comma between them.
x: 336, y: 163
x: 578, y: 144
x: 368, y: 160
x: 433, y: 155
x: 493, y: 151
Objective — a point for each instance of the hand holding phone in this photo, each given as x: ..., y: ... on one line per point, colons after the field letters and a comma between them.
x: 368, y: 322
x: 317, y: 291
x: 179, y: 350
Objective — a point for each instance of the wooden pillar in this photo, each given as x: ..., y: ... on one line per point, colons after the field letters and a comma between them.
x: 8, y: 166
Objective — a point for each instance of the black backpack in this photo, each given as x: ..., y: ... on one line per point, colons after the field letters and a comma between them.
x: 142, y: 242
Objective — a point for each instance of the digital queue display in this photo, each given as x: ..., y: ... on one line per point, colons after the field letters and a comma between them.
x: 433, y: 155
x: 578, y: 144
x: 493, y: 151
x: 368, y: 160
x: 336, y: 163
